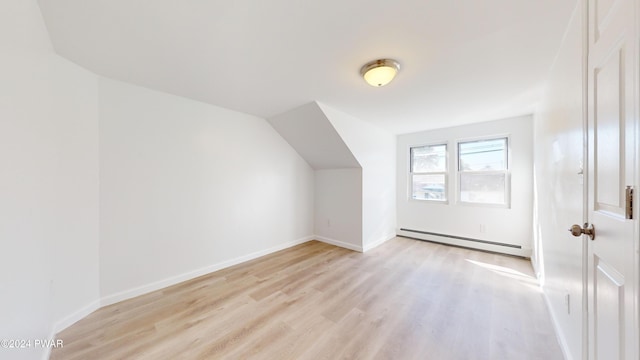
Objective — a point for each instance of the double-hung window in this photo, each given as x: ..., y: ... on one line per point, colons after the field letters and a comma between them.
x: 483, y: 169
x: 429, y: 172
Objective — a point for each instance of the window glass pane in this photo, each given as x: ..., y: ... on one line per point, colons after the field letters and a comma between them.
x: 429, y: 187
x: 432, y: 158
x: 483, y: 188
x: 483, y: 155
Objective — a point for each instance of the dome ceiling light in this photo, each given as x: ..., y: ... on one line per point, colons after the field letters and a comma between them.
x: 379, y: 72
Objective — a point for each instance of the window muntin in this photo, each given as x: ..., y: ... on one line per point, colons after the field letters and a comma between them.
x: 429, y: 172
x: 483, y: 169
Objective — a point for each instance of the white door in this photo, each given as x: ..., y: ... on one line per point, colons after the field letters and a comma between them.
x: 612, y: 120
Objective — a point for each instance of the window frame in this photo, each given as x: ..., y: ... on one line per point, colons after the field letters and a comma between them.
x: 445, y: 173
x: 506, y: 172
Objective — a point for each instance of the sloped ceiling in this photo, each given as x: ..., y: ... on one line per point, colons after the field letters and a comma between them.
x: 310, y: 133
x: 462, y: 61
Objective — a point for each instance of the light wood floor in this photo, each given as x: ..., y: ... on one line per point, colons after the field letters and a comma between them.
x: 406, y: 299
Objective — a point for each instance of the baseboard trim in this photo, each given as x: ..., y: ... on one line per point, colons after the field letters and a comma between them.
x: 68, y: 321
x: 556, y: 327
x: 76, y: 316
x: 46, y: 354
x: 161, y: 284
x: 375, y: 244
x: 339, y: 243
x: 131, y: 293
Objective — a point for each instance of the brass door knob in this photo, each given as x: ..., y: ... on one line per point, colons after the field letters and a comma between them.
x: 586, y: 229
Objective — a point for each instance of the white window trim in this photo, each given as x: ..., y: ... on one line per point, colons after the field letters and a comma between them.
x: 445, y: 173
x: 506, y: 172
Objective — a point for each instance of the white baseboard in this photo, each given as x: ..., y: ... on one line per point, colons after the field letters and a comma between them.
x: 556, y: 327
x: 76, y: 316
x: 131, y: 293
x: 339, y: 243
x: 375, y: 244
x: 128, y: 294
x: 536, y: 271
x: 46, y: 353
x: 68, y: 321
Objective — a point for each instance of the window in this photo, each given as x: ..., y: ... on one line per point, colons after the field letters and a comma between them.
x: 483, y: 169
x: 429, y: 172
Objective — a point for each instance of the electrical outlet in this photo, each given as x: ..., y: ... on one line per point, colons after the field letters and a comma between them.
x: 328, y: 223
x: 483, y: 228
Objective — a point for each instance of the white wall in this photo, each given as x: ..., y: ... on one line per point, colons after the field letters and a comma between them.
x: 48, y: 186
x: 559, y: 189
x: 338, y: 207
x: 330, y: 141
x: 187, y: 187
x: 511, y: 225
x: 375, y: 150
x: 75, y: 268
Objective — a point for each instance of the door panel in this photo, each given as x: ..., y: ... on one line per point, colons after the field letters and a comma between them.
x: 612, y: 106
x: 608, y: 140
x: 609, y: 310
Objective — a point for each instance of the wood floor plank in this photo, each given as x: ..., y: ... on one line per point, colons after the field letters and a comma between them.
x: 405, y: 299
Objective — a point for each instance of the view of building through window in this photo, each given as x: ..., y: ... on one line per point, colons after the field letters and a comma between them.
x: 429, y: 172
x: 483, y: 170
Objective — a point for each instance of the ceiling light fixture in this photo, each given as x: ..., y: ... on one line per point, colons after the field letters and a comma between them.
x: 379, y: 72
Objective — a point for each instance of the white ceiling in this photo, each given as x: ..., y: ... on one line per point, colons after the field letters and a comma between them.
x: 462, y: 60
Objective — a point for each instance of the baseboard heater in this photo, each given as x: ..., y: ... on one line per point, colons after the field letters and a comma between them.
x: 462, y: 238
